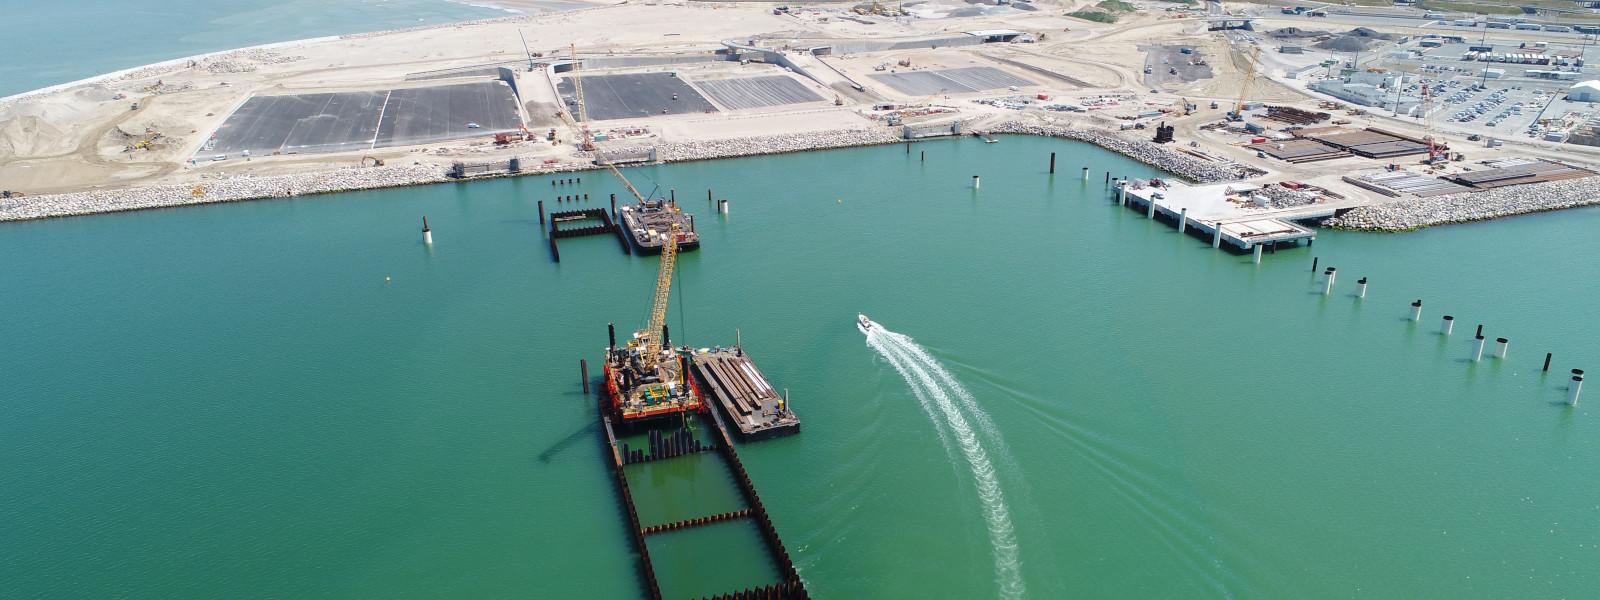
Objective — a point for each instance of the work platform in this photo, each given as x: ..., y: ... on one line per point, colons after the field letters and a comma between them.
x: 648, y: 223
x: 744, y: 395
x: 1216, y: 211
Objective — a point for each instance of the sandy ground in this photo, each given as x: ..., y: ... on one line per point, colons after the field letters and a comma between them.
x: 77, y: 138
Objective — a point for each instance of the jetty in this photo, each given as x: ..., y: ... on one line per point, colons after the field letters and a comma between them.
x: 1240, y: 216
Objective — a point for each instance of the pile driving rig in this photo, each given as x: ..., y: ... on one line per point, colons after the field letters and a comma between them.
x: 647, y: 378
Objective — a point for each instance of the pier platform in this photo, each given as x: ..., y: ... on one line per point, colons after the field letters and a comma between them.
x: 1226, y: 213
x: 743, y: 394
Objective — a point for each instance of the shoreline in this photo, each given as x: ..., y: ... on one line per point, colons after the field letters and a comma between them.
x: 1398, y: 216
x: 154, y: 68
x: 162, y: 66
x: 244, y: 187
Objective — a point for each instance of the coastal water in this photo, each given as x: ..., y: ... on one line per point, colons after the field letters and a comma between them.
x: 232, y: 401
x: 49, y: 43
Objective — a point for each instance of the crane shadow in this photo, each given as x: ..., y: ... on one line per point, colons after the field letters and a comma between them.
x: 567, y: 442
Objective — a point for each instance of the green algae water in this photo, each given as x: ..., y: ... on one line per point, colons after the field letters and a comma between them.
x: 231, y: 401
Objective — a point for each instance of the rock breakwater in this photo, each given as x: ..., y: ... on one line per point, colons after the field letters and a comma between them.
x: 222, y: 189
x: 1415, y: 213
x: 1150, y: 153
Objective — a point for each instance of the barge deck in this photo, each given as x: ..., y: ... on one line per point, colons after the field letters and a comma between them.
x: 744, y: 395
x: 647, y: 223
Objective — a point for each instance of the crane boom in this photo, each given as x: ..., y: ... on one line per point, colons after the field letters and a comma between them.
x: 625, y: 183
x: 658, y: 310
x: 587, y: 142
x: 1250, y: 69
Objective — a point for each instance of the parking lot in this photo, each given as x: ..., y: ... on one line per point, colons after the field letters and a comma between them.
x: 1505, y: 104
x: 1174, y: 65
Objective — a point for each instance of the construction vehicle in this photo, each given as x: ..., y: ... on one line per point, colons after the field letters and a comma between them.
x: 1250, y: 70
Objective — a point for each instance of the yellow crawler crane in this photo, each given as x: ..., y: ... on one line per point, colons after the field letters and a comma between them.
x: 587, y: 138
x: 1250, y: 69
x: 658, y: 308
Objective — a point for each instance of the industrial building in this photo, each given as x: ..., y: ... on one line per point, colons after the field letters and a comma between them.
x: 1370, y: 89
x: 1588, y: 91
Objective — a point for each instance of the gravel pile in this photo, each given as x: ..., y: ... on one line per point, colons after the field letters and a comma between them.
x: 1416, y: 213
x: 1150, y: 153
x: 1282, y: 197
x: 223, y: 189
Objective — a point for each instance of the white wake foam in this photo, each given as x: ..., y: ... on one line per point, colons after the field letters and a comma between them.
x: 934, y: 387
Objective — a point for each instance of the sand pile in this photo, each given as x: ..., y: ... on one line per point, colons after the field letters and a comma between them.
x: 1355, y: 40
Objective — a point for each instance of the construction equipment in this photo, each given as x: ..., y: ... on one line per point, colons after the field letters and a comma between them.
x: 585, y: 140
x: 1250, y: 70
x: 1438, y: 152
x: 646, y: 378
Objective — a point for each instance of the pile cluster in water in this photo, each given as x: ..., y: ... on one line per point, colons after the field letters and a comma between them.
x: 1416, y: 213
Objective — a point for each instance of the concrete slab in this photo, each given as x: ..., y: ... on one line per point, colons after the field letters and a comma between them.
x: 308, y: 123
x: 432, y: 114
x: 346, y: 121
x: 756, y: 92
x: 633, y: 95
x: 950, y: 81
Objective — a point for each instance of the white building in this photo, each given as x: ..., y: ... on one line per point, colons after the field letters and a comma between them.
x: 1588, y: 91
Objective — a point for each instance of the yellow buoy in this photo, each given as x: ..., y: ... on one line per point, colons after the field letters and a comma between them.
x: 387, y: 279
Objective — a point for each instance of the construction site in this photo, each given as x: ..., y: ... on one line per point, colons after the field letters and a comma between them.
x: 1239, y: 89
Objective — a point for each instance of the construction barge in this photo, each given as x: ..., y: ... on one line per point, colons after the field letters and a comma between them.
x: 648, y: 222
x: 744, y: 395
x: 650, y: 390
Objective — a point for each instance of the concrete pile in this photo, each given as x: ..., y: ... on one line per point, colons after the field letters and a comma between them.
x: 774, y: 144
x: 1416, y: 213
x: 1150, y: 153
x: 223, y: 189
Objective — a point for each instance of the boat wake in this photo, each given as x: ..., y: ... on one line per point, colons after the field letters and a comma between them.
x: 942, y: 398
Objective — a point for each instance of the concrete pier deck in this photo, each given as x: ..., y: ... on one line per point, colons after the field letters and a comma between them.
x: 1224, y: 213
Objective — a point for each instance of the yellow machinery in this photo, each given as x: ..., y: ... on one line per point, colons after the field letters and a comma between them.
x: 658, y: 309
x: 586, y: 142
x: 1244, y: 87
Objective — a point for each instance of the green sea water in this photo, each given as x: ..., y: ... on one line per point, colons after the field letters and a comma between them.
x: 231, y: 401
